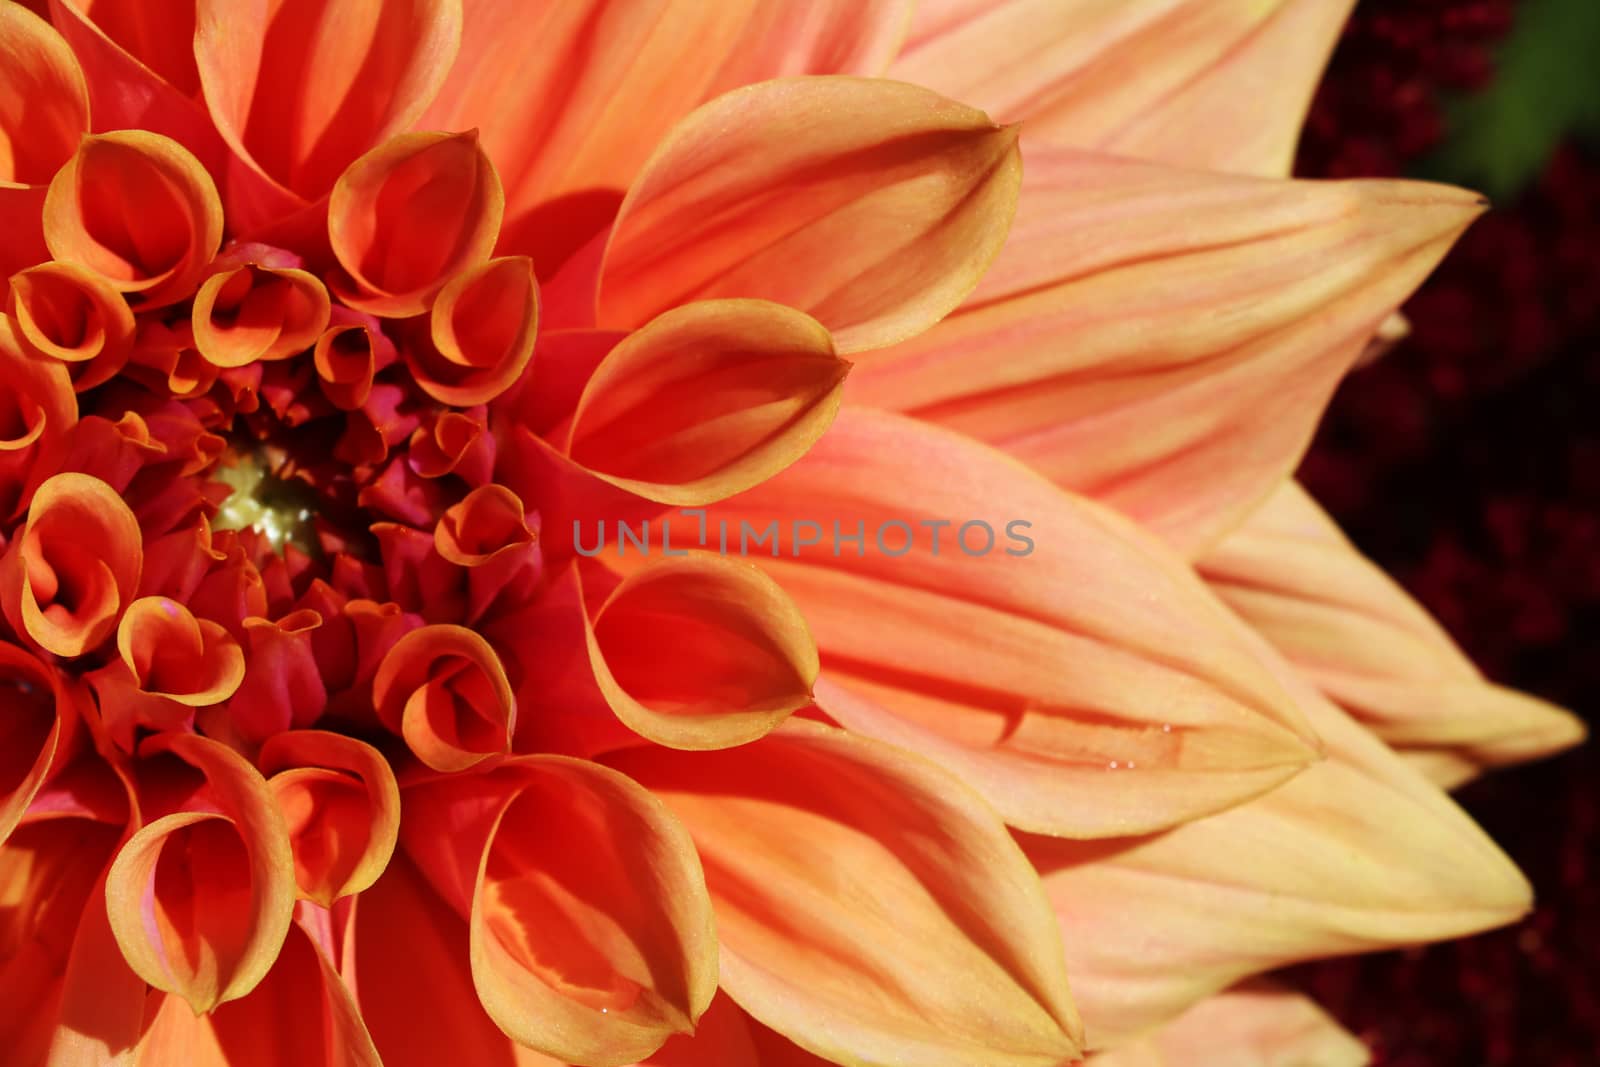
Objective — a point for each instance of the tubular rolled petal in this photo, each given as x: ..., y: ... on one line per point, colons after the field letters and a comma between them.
x: 701, y: 652
x: 200, y: 901
x: 1221, y: 86
x: 171, y: 653
x: 283, y: 688
x: 347, y: 357
x: 395, y: 266
x: 707, y: 400
x: 872, y: 206
x: 1357, y: 854
x: 300, y: 88
x: 252, y: 313
x: 482, y: 326
x: 1353, y: 632
x: 73, y: 567
x: 443, y: 689
x: 44, y: 102
x: 300, y: 1014
x: 69, y: 313
x: 138, y: 210
x: 342, y: 807
x: 1083, y: 681
x: 850, y: 880
x: 36, y: 705
x: 1165, y: 340
x: 591, y: 932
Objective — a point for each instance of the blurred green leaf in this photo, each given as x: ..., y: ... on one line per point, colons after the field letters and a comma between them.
x: 1547, y: 85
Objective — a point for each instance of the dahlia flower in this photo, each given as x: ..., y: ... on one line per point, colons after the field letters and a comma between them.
x: 472, y: 480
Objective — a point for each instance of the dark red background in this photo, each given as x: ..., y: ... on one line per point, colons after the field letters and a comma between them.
x: 1467, y: 463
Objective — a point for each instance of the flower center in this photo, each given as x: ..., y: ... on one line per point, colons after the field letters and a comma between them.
x: 283, y: 510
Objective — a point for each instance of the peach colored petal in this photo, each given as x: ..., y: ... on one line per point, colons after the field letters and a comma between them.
x: 699, y: 651
x: 140, y: 211
x: 872, y: 206
x: 44, y: 102
x: 35, y: 703
x: 482, y: 327
x: 1356, y: 854
x: 300, y: 88
x: 1081, y: 680
x: 1256, y: 1024
x: 444, y: 690
x: 342, y: 807
x: 851, y: 880
x: 200, y: 901
x: 572, y: 95
x: 73, y: 567
x: 300, y: 1014
x: 173, y: 654
x: 707, y: 400
x: 395, y: 266
x: 252, y: 312
x: 67, y: 312
x: 1223, y: 86
x: 1353, y: 632
x: 1165, y: 340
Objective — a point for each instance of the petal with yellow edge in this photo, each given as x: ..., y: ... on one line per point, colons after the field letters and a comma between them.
x: 850, y: 880
x: 1223, y: 86
x: 140, y: 211
x: 698, y: 651
x: 1256, y: 1024
x: 394, y: 267
x: 444, y: 689
x: 1352, y: 631
x: 200, y: 900
x: 1357, y: 854
x: 342, y: 807
x: 572, y: 95
x: 873, y: 206
x: 1064, y: 664
x: 37, y: 712
x: 67, y: 312
x: 707, y: 400
x: 482, y: 328
x: 44, y: 101
x: 171, y: 653
x: 300, y: 88
x: 1165, y: 340
x: 591, y: 932
x: 254, y: 312
x: 300, y: 1014
x: 73, y: 566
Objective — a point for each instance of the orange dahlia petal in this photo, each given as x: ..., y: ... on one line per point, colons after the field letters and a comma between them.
x: 37, y: 414
x: 172, y: 654
x: 1222, y: 86
x: 699, y: 651
x: 397, y: 266
x: 140, y: 211
x: 30, y: 731
x: 1081, y: 680
x: 253, y: 312
x: 850, y: 881
x: 69, y: 313
x: 572, y: 95
x: 301, y: 1013
x: 44, y: 102
x: 201, y: 900
x: 300, y: 88
x: 73, y: 566
x: 1352, y: 631
x: 872, y: 206
x: 443, y: 689
x: 342, y: 807
x: 1358, y: 853
x: 1165, y: 340
x: 482, y: 326
x: 707, y: 400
